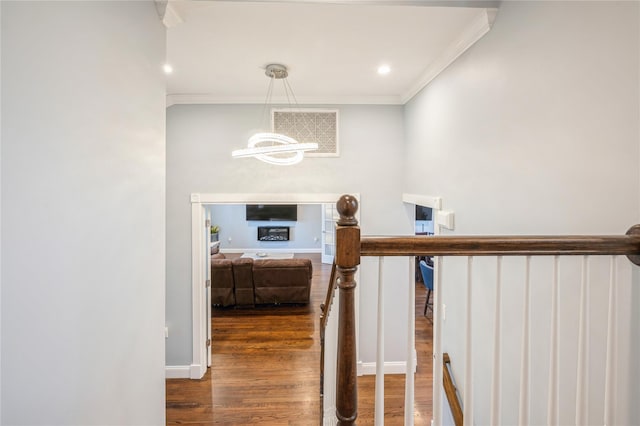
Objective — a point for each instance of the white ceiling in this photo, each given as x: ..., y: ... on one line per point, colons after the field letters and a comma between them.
x: 219, y: 49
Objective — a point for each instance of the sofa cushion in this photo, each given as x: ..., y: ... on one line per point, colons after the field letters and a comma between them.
x: 222, y: 284
x: 243, y: 278
x: 282, y: 280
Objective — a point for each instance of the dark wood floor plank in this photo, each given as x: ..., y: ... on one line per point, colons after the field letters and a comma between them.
x: 266, y: 369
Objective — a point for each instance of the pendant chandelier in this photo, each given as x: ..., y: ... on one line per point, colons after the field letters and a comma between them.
x: 276, y: 148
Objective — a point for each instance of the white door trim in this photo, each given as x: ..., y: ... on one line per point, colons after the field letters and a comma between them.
x: 328, y: 258
x: 198, y: 290
x: 276, y: 198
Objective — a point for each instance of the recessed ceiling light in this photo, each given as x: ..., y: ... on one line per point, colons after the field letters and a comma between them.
x: 167, y: 68
x: 384, y: 69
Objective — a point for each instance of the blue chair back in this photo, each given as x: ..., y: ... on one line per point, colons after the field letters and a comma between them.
x: 427, y: 274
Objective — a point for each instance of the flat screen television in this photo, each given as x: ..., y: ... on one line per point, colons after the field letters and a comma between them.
x: 272, y: 212
x: 424, y: 213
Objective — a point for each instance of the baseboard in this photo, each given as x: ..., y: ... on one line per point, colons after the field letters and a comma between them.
x: 193, y: 371
x: 197, y: 371
x: 279, y: 250
x: 177, y: 371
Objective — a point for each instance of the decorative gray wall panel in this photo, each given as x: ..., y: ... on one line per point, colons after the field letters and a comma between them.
x: 310, y: 125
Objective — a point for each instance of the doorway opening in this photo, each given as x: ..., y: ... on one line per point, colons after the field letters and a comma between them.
x: 427, y: 327
x: 200, y: 249
x: 424, y: 266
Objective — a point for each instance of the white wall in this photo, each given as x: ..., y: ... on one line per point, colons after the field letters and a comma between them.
x: 200, y: 139
x: 305, y: 233
x: 535, y: 130
x: 83, y: 193
x: 0, y: 214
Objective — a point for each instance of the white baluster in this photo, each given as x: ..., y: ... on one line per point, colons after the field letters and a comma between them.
x: 330, y: 363
x: 609, y: 372
x: 582, y: 370
x: 379, y: 407
x: 525, y: 367
x: 495, y: 386
x: 411, y: 338
x: 468, y: 372
x: 437, y: 344
x: 552, y: 402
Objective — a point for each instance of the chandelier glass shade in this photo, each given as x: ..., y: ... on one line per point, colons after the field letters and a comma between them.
x: 275, y: 148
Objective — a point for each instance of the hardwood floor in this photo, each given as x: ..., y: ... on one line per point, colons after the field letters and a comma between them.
x: 265, y: 369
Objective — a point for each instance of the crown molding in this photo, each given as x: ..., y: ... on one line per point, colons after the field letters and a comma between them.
x: 161, y: 7
x: 170, y: 16
x: 476, y: 29
x: 480, y: 25
x: 425, y: 3
x: 204, y: 99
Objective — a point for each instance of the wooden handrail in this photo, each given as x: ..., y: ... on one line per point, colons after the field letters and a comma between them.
x: 451, y: 391
x: 349, y: 248
x: 325, y: 308
x: 504, y: 246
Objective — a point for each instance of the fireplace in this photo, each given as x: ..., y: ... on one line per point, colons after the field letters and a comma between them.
x: 273, y: 233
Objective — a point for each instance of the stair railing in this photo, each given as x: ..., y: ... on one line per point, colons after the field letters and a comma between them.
x: 350, y: 247
x: 451, y: 391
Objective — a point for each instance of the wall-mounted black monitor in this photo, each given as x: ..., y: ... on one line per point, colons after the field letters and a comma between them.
x: 286, y: 212
x: 424, y: 213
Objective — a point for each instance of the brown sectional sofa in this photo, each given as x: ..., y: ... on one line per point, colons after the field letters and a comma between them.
x: 222, y: 288
x: 248, y: 282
